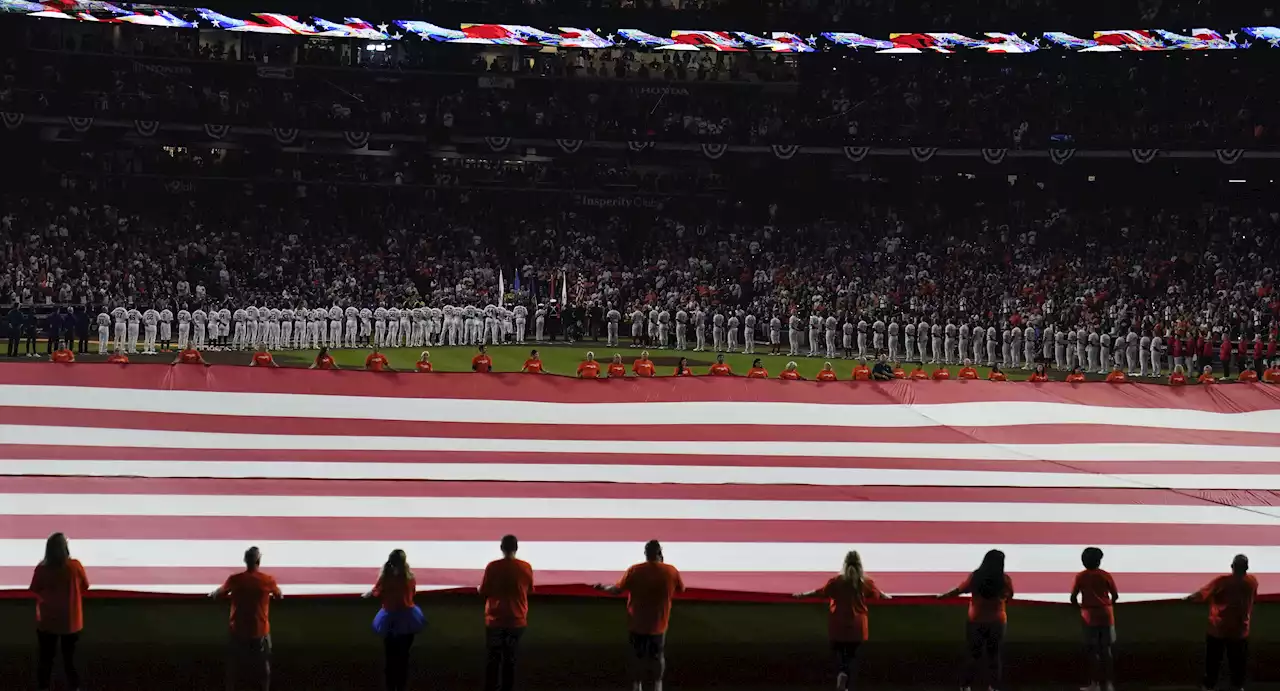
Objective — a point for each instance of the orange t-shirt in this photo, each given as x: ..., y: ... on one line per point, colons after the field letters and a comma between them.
x: 919, y: 374
x: 1096, y: 602
x: 589, y: 369
x: 827, y: 375
x: 968, y: 373
x: 720, y: 369
x: 847, y: 609
x: 789, y: 374
x: 1038, y: 377
x: 987, y: 610
x: 899, y: 373
x: 324, y: 362
x: 1230, y: 601
x: 616, y: 370
x: 375, y: 362
x: 63, y: 355
x: 250, y: 593
x: 263, y: 358
x: 118, y: 358
x: 1117, y: 377
x: 940, y: 374
x: 1177, y: 379
x: 1248, y: 376
x: 481, y: 363
x: 1075, y: 377
x: 58, y: 594
x: 682, y: 372
x: 1206, y: 379
x: 997, y: 376
x: 190, y: 356
x: 1272, y: 376
x: 650, y: 586
x: 424, y: 366
x: 505, y: 589
x: 862, y: 373
x: 395, y: 593
x: 757, y: 373
x: 643, y: 368
x: 532, y: 366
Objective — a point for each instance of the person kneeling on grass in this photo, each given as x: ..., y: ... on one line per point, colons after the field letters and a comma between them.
x: 377, y: 362
x: 118, y: 357
x: 189, y: 356
x: 682, y: 368
x: 720, y: 368
x: 847, y: 593
x: 790, y: 372
x: 589, y: 368
x: 827, y: 374
x: 62, y: 354
x: 424, y: 362
x: 263, y: 358
x: 481, y: 362
x: 617, y: 370
x: 757, y: 371
x: 324, y: 361
x: 533, y: 365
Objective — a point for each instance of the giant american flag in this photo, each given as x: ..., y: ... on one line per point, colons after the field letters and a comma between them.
x: 162, y: 476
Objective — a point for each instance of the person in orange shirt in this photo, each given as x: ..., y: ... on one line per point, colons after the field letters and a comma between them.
x: 1230, y: 599
x: 941, y: 374
x: 1206, y: 376
x: 534, y: 364
x: 790, y: 372
x: 1076, y: 376
x: 1094, y: 592
x: 324, y: 360
x: 720, y: 368
x: 377, y: 362
x: 847, y: 593
x: 1117, y: 376
x: 682, y: 368
x: 118, y: 357
x: 424, y: 363
x: 918, y: 373
x: 1248, y: 375
x: 263, y: 358
x: 968, y: 372
x: 1176, y: 377
x: 59, y: 584
x: 1272, y: 375
x: 995, y: 374
x: 862, y: 372
x: 1039, y: 375
x: 62, y: 354
x: 481, y: 362
x: 505, y: 588
x: 898, y: 372
x: 991, y: 588
x: 250, y: 592
x: 644, y: 366
x: 650, y: 587
x: 399, y: 619
x: 189, y: 356
x: 589, y: 368
x: 757, y: 371
x: 617, y: 370
x: 827, y: 374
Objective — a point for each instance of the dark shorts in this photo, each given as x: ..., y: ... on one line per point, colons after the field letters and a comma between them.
x: 251, y: 647
x: 648, y: 646
x: 1099, y: 636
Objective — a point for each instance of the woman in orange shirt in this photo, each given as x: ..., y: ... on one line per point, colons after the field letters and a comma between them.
x: 827, y: 374
x: 617, y: 370
x: 1076, y: 375
x: 991, y: 588
x: 399, y: 620
x: 424, y: 363
x: 324, y: 360
x: 847, y: 593
x: 757, y: 371
x: 59, y: 583
x: 1206, y: 377
x: 533, y: 365
x: 682, y: 368
x: 1039, y: 375
x: 996, y: 374
x: 790, y: 372
x: 1176, y: 377
x: 589, y: 368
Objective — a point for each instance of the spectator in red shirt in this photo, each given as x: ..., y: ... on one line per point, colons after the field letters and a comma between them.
x: 1076, y: 376
x: 423, y: 364
x: 757, y: 370
x: 118, y: 357
x: 1230, y: 599
x: 617, y: 370
x: 941, y: 374
x: 898, y: 372
x: 263, y: 358
x: 534, y: 364
x: 968, y: 372
x: 720, y: 368
x: 481, y: 362
x: 1040, y: 375
x: 995, y: 374
x: 62, y: 354
x: 847, y: 594
x: 1117, y: 376
x: 399, y: 619
x: 862, y: 372
x: 682, y: 368
x: 189, y: 356
x: 377, y: 362
x: 1224, y: 354
x: 250, y: 592
x: 1177, y: 378
x: 790, y: 372
x: 1248, y: 374
x: 643, y: 367
x: 589, y: 368
x: 1206, y: 376
x: 59, y: 583
x: 827, y: 374
x: 918, y: 374
x: 505, y: 588
x: 1272, y: 375
x: 324, y: 360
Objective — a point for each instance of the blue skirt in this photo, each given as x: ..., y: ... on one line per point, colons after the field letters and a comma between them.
x: 402, y: 623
